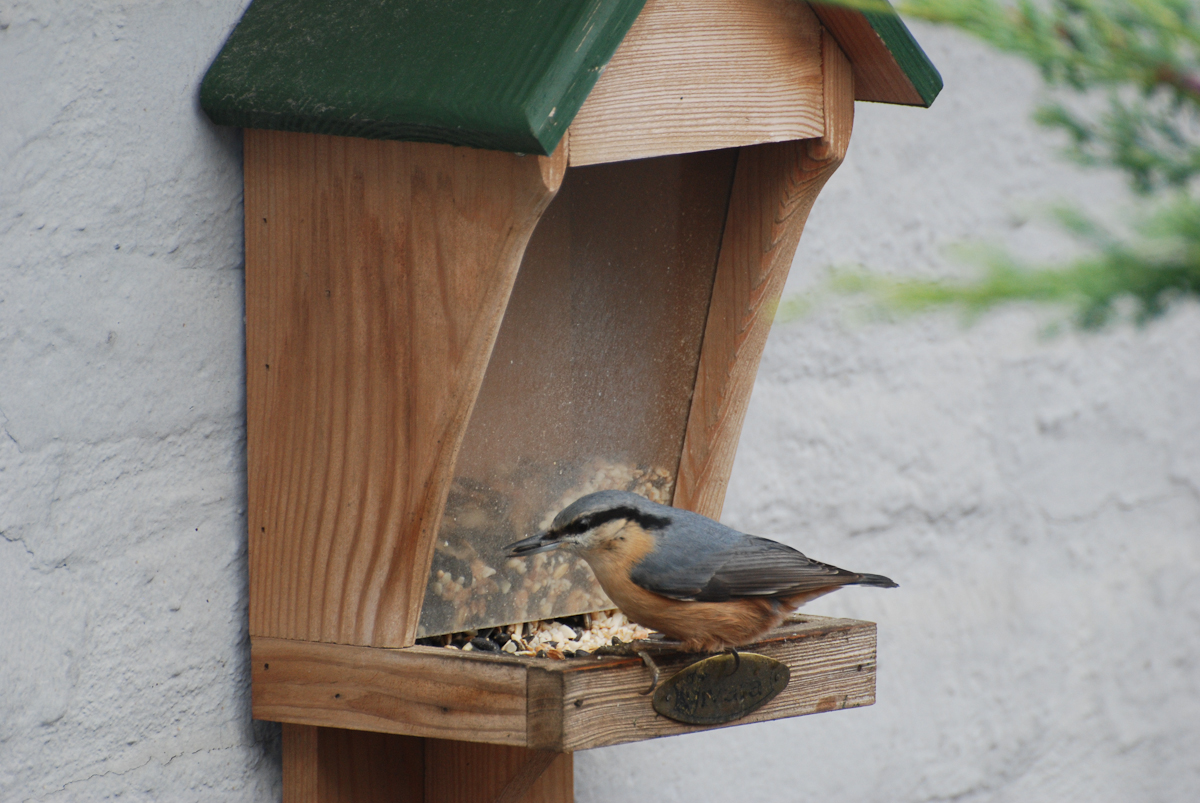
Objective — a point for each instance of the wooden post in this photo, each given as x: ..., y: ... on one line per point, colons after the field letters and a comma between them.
x: 466, y: 772
x: 330, y: 765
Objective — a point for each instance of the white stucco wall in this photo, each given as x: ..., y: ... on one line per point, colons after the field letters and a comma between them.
x: 1038, y: 501
x: 123, y: 649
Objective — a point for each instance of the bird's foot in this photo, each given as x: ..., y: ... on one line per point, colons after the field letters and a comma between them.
x: 660, y: 645
x: 653, y: 667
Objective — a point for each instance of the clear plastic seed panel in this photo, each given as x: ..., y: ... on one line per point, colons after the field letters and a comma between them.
x: 589, y: 384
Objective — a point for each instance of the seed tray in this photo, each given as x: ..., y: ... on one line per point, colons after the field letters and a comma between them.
x: 543, y: 703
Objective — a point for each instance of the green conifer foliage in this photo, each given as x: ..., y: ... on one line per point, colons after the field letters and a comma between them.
x: 1123, y: 82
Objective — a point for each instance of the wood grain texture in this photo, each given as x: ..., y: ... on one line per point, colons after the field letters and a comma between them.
x: 376, y: 276
x: 361, y: 767
x: 889, y: 65
x: 326, y: 765
x: 696, y: 75
x: 832, y: 666
x: 462, y: 772
x: 544, y: 708
x: 392, y: 691
x: 301, y: 770
x: 333, y: 765
x: 773, y: 191
x: 538, y: 703
x: 533, y: 768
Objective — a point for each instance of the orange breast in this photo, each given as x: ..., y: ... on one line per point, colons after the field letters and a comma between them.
x: 701, y: 626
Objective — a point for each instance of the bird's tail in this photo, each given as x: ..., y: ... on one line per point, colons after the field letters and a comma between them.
x: 875, y: 580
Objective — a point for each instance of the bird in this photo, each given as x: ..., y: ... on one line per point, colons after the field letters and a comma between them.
x: 693, y: 579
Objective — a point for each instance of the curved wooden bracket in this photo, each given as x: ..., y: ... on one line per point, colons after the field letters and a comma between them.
x: 774, y: 188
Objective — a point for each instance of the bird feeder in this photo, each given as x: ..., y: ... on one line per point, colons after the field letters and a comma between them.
x: 499, y: 254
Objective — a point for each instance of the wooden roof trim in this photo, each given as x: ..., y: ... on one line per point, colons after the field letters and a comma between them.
x: 698, y: 75
x: 889, y: 65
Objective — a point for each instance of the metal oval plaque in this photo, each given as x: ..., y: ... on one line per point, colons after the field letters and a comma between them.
x: 721, y: 688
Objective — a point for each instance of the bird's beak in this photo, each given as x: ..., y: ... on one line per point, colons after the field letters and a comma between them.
x: 542, y: 542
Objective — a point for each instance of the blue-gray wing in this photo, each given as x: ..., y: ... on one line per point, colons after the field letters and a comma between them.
x: 734, y: 565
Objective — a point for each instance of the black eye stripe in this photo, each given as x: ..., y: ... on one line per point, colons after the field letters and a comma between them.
x: 592, y: 520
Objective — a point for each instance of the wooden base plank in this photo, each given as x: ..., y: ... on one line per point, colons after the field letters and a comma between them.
x: 538, y: 703
x: 411, y: 691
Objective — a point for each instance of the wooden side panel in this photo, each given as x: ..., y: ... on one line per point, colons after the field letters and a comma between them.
x: 328, y: 765
x: 462, y: 772
x: 773, y: 191
x: 831, y: 669
x: 376, y: 276
x: 696, y: 75
x: 412, y: 691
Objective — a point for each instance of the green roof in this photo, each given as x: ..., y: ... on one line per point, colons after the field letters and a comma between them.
x: 500, y: 74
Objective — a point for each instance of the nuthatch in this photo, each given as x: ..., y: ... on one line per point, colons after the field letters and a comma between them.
x: 685, y: 575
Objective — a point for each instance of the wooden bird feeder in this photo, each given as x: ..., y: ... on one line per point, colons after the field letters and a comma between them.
x: 500, y: 253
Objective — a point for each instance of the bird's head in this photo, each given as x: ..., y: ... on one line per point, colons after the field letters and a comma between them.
x: 592, y: 521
